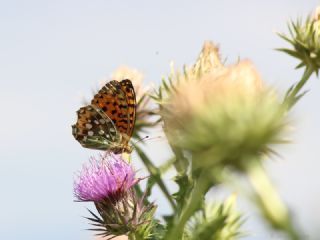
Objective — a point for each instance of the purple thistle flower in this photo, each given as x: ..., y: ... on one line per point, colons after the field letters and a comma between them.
x: 108, y: 178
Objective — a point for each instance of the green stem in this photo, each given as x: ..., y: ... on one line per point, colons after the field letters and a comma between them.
x: 134, y: 236
x: 154, y: 172
x: 202, y: 184
x: 269, y: 202
x: 131, y: 236
x: 290, y: 99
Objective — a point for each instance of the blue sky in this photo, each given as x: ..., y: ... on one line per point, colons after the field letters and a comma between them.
x: 51, y: 52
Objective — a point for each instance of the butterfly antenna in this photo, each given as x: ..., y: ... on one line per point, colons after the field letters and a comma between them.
x: 148, y: 137
x: 142, y: 139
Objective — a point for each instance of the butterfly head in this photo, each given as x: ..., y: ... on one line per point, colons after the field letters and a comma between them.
x: 122, y: 149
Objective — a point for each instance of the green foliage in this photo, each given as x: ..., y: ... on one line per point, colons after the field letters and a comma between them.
x: 185, y: 185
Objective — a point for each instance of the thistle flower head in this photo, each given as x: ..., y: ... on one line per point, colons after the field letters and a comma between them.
x: 305, y: 40
x: 108, y: 182
x: 227, y: 115
x: 240, y: 80
x: 110, y: 177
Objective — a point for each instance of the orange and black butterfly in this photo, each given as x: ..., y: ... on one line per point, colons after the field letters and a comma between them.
x: 108, y: 122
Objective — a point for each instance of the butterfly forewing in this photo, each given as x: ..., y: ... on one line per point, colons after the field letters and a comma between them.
x: 112, y: 101
x: 128, y: 89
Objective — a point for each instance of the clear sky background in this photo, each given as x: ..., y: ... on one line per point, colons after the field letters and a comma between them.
x: 51, y: 52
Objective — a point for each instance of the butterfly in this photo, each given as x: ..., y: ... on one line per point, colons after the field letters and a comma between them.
x: 108, y: 122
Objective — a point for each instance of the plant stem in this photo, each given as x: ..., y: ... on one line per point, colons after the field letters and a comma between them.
x: 202, y: 184
x: 131, y: 236
x: 293, y: 94
x: 134, y: 236
x: 274, y: 210
x: 154, y: 171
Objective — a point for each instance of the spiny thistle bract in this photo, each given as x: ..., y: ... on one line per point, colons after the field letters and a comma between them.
x: 108, y: 182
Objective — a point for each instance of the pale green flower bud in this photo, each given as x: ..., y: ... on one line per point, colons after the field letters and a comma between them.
x: 226, y: 117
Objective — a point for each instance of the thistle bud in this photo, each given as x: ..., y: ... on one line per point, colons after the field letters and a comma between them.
x: 227, y: 116
x: 305, y: 40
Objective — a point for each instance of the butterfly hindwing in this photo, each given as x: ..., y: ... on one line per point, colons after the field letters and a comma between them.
x: 94, y: 130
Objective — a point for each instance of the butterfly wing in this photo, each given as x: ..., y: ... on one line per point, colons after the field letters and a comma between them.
x: 94, y: 129
x: 128, y: 89
x: 117, y: 100
x: 112, y: 101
